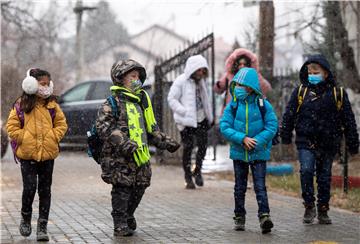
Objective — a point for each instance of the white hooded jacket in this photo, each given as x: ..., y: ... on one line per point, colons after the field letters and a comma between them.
x: 182, y: 95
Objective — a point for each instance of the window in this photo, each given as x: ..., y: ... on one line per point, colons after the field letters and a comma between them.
x: 101, y: 91
x: 77, y: 94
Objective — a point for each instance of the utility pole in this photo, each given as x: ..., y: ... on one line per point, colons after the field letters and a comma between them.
x: 78, y: 10
x: 266, y: 38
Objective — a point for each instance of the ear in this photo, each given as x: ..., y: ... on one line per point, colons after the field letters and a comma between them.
x: 30, y: 85
x: 326, y: 74
x: 51, y: 84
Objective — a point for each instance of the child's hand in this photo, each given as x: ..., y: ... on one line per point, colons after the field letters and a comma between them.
x: 249, y: 143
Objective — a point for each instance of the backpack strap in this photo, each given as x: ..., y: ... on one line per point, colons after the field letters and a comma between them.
x: 301, y: 97
x: 114, y: 106
x: 262, y: 108
x: 339, y: 96
x: 20, y: 114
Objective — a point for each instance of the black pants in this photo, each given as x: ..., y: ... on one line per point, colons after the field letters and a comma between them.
x: 36, y: 175
x: 124, y: 201
x: 188, y: 135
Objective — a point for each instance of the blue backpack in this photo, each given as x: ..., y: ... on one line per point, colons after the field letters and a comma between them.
x: 95, y: 144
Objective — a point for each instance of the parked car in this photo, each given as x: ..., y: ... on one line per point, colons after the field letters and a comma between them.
x: 80, y: 105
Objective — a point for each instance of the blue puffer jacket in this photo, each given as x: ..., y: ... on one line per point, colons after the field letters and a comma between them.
x: 243, y: 118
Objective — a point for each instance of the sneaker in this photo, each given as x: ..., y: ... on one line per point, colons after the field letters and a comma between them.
x: 25, y: 226
x: 199, y: 181
x: 265, y: 223
x: 239, y: 222
x: 123, y: 231
x: 41, y: 232
x: 324, y: 218
x: 189, y: 184
x: 310, y: 213
x: 132, y: 223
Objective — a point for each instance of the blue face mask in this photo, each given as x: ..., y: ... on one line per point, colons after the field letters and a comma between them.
x: 315, y: 79
x: 240, y: 93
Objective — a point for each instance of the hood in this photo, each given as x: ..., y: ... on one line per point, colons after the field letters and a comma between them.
x: 246, y: 77
x: 240, y: 52
x: 194, y: 63
x: 318, y: 59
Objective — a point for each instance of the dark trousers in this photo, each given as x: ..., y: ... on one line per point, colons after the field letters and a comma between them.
x: 36, y: 175
x: 188, y: 136
x: 241, y: 170
x: 319, y: 164
x: 124, y: 201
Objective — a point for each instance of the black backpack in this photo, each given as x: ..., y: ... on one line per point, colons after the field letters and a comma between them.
x: 260, y: 102
x: 95, y: 144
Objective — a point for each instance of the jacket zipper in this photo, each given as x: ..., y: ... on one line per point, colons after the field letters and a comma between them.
x: 247, y: 128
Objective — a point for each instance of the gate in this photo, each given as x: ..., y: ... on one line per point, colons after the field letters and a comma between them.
x: 165, y: 73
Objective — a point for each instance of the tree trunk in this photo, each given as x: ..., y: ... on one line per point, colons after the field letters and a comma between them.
x: 266, y: 39
x: 349, y: 75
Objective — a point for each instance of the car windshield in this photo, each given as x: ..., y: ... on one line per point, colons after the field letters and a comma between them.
x: 78, y: 93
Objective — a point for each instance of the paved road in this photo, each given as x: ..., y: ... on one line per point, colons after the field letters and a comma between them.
x: 80, y: 211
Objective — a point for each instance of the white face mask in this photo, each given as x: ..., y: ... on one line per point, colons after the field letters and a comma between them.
x: 45, y: 91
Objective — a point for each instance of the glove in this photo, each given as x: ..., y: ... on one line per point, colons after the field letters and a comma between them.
x: 130, y: 147
x: 172, y: 146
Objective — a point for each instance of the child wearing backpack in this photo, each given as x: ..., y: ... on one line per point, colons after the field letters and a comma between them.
x: 36, y: 125
x: 126, y: 136
x: 250, y: 134
x: 320, y: 112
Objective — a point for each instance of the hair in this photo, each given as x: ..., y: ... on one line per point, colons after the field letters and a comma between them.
x: 234, y: 67
x: 28, y: 102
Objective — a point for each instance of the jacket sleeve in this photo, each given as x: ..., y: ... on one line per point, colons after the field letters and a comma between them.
x: 13, y: 127
x: 350, y: 128
x: 163, y: 141
x: 109, y: 130
x: 288, y: 121
x: 270, y: 127
x: 227, y: 127
x: 174, y: 96
x: 60, y: 125
x: 220, y: 85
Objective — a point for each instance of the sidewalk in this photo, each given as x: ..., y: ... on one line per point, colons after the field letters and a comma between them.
x: 80, y: 210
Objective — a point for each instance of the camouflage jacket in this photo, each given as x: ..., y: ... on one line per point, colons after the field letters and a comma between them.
x: 117, y: 163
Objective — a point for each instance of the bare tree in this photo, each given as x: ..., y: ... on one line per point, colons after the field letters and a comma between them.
x: 337, y: 39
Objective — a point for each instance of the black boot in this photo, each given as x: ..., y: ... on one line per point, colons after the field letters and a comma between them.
x: 265, y: 223
x: 132, y: 223
x: 310, y: 213
x: 198, y: 177
x: 41, y: 231
x: 123, y: 230
x: 121, y: 227
x: 189, y: 184
x: 25, y: 224
x: 239, y: 222
x: 323, y: 216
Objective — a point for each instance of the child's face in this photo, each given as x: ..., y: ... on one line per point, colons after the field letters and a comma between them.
x: 44, y: 81
x: 248, y: 89
x: 242, y: 63
x: 315, y: 69
x: 129, y: 78
x: 199, y: 74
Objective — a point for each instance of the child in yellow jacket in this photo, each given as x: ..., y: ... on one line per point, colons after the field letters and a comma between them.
x: 36, y: 125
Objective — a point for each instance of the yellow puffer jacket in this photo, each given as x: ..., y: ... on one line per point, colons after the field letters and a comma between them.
x: 39, y: 139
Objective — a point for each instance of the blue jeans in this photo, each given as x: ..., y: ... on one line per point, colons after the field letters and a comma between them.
x: 241, y: 170
x: 319, y: 164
